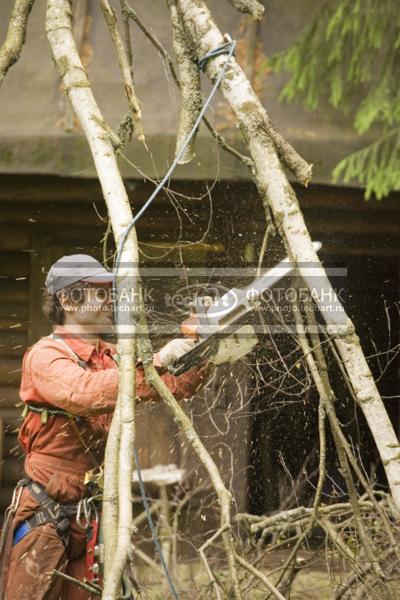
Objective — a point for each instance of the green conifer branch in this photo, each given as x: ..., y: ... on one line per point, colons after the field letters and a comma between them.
x: 376, y: 167
x: 352, y: 48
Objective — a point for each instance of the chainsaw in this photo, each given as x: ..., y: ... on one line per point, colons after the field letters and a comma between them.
x: 214, y: 324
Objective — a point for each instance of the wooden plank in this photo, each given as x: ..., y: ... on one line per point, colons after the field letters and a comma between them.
x: 48, y: 251
x: 13, y: 323
x: 11, y: 445
x: 14, y: 291
x: 13, y: 342
x: 61, y: 214
x: 358, y: 246
x: 5, y: 497
x: 13, y: 469
x: 31, y: 188
x: 1, y: 450
x: 14, y: 265
x: 34, y: 215
x: 15, y: 237
x: 9, y: 397
x: 10, y: 372
x: 360, y: 223
x: 336, y: 198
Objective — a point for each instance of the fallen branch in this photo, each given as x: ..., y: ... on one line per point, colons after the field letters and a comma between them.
x: 326, y: 394
x: 84, y: 586
x: 202, y: 552
x: 263, y: 578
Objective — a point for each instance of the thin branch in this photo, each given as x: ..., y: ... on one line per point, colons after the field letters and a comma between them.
x: 127, y: 36
x: 270, y: 587
x: 202, y: 552
x: 15, y: 39
x: 77, y: 582
x: 251, y: 7
x: 132, y: 14
x: 125, y: 66
x: 186, y: 426
x: 189, y: 77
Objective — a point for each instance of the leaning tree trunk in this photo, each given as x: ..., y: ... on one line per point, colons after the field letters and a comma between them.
x: 117, y: 504
x: 270, y: 177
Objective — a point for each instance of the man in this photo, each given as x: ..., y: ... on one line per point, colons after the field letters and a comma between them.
x: 69, y: 386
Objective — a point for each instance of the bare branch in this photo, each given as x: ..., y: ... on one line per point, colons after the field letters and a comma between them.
x: 251, y: 7
x: 186, y: 426
x: 132, y: 14
x: 12, y: 47
x: 125, y: 66
x: 189, y: 76
x: 263, y: 578
x: 300, y: 168
x: 77, y: 582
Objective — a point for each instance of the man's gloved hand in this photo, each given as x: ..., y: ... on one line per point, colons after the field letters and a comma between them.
x: 172, y: 351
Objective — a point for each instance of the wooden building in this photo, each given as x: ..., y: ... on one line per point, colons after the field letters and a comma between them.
x: 51, y: 205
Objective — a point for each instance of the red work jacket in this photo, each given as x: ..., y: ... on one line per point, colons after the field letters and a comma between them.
x: 56, y: 456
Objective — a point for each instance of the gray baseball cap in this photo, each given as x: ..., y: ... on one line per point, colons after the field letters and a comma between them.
x: 76, y: 267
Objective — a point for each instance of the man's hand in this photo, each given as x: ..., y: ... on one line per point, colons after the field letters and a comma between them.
x: 172, y: 351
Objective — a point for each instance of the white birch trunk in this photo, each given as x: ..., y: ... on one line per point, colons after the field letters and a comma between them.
x: 269, y: 176
x: 119, y: 455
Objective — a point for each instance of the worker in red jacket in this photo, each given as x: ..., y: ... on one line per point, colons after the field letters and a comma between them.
x: 69, y: 386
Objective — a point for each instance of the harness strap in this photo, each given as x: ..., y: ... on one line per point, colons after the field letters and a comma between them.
x: 50, y: 511
x: 46, y: 411
x: 80, y: 361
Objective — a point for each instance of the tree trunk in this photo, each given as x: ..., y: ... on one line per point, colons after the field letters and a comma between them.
x: 270, y: 178
x: 117, y: 505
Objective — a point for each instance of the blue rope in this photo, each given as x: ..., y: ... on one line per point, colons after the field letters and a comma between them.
x: 152, y: 526
x: 229, y: 49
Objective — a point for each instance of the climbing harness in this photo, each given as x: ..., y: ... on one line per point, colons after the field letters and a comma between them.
x: 50, y: 511
x: 85, y: 511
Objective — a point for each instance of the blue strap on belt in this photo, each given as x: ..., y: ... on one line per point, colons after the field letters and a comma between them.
x: 20, y: 532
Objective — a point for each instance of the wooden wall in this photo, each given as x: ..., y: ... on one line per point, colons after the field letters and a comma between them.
x: 43, y: 218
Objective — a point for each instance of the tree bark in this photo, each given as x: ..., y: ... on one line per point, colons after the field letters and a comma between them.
x: 269, y: 176
x: 12, y: 47
x: 189, y: 78
x: 119, y: 447
x: 125, y: 67
x: 252, y: 7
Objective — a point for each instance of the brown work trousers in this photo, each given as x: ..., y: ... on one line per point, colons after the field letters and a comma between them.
x: 33, y: 559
